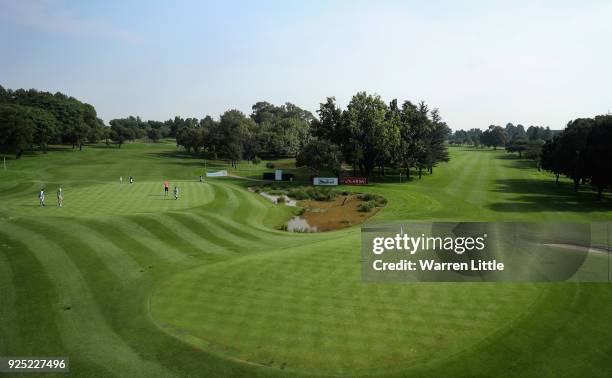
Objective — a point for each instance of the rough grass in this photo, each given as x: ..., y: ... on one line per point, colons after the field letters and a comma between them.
x: 126, y: 283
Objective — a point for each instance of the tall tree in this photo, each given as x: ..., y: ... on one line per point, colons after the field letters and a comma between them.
x: 598, y: 157
x: 437, y: 149
x: 366, y: 123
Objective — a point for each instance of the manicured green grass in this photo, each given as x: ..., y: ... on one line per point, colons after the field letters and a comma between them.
x: 126, y: 282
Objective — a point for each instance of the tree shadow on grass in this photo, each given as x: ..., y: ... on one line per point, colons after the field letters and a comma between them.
x: 515, y: 162
x: 533, y: 195
x: 171, y: 157
x: 177, y: 155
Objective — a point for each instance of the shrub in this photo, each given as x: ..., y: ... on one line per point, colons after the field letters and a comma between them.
x: 298, y: 194
x: 269, y: 165
x: 280, y: 200
x: 378, y: 199
x: 321, y: 194
x: 381, y: 201
x: 366, y: 207
x: 368, y: 197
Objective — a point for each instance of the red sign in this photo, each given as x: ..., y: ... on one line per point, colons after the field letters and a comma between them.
x: 355, y: 180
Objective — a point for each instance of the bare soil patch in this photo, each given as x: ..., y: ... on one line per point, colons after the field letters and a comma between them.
x: 337, y: 214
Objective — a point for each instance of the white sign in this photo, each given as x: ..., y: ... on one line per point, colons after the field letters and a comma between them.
x: 325, y: 181
x: 216, y: 174
x: 278, y: 175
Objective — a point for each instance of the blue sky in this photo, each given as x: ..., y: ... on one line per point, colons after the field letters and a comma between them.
x: 540, y: 63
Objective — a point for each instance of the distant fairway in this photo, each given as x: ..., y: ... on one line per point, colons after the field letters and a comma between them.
x: 125, y: 282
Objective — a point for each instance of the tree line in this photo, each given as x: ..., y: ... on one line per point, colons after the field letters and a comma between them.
x: 133, y: 128
x: 269, y: 131
x: 497, y: 136
x: 368, y: 134
x: 582, y: 152
x: 32, y: 119
x: 527, y: 143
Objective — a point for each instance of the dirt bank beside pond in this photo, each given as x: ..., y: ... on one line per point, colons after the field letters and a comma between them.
x: 337, y: 214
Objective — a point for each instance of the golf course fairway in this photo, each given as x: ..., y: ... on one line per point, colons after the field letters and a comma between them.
x: 127, y: 282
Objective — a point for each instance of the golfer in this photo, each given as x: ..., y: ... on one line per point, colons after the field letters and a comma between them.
x: 176, y: 192
x: 166, y: 187
x: 41, y: 198
x: 120, y: 179
x: 60, y: 196
x: 131, y: 180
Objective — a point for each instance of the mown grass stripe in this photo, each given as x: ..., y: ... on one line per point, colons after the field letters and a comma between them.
x: 240, y: 232
x: 206, y: 231
x: 461, y: 177
x: 147, y: 257
x: 121, y: 263
x: 31, y: 306
x: 82, y: 327
x: 182, y: 237
x: 8, y: 312
x: 477, y: 185
x: 148, y: 237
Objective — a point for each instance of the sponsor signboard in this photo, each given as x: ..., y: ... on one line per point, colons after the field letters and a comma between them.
x: 278, y: 175
x: 216, y: 174
x: 355, y: 181
x: 325, y: 181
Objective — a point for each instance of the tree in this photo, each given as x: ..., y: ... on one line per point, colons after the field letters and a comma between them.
x: 319, y: 155
x: 437, y: 150
x: 519, y: 133
x: 598, y: 159
x: 365, y: 117
x: 234, y: 135
x: 119, y: 133
x: 281, y: 130
x: 191, y: 138
x: 551, y: 160
x: 534, y: 151
x: 154, y: 134
x: 518, y: 145
x: 16, y: 129
x: 404, y: 156
x: 494, y: 136
x: 573, y: 145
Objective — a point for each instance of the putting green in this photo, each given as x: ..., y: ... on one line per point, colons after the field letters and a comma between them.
x: 112, y: 198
